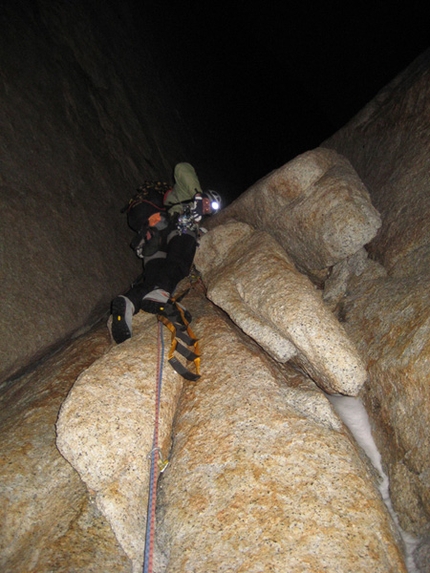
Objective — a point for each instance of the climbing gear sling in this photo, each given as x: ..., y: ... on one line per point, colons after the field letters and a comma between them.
x: 177, y: 319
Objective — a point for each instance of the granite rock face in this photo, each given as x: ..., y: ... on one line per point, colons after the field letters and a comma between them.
x: 48, y: 521
x: 389, y: 151
x: 257, y: 284
x: 261, y: 467
x: 105, y: 430
x: 316, y: 207
x: 388, y: 317
x: 262, y: 475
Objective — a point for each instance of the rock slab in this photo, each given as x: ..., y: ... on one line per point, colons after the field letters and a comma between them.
x: 263, y: 477
x: 315, y: 206
x: 47, y: 520
x: 250, y: 276
x: 106, y: 425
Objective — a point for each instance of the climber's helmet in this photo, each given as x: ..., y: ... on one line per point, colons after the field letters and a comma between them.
x: 214, y: 199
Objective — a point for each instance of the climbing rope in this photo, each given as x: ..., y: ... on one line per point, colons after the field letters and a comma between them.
x: 157, y: 463
x: 181, y: 333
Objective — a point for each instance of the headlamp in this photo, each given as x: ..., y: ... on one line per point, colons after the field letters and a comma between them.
x: 206, y: 204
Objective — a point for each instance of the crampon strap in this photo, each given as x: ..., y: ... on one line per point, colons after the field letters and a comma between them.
x: 177, y: 320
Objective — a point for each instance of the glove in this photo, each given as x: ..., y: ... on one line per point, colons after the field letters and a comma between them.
x: 147, y: 244
x: 138, y: 245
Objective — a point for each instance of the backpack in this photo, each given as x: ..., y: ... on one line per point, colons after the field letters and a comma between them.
x: 148, y: 201
x: 147, y: 216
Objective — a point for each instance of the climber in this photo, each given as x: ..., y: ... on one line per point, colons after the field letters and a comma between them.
x: 166, y: 221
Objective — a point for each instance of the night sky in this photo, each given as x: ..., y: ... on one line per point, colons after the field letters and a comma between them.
x: 267, y: 82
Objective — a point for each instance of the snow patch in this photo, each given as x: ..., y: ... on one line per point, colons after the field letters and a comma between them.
x: 354, y: 415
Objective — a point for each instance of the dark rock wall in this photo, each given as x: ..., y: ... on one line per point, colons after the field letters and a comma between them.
x: 85, y: 115
x: 387, y: 142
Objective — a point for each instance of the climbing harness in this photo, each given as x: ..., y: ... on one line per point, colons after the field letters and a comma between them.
x: 188, y: 221
x: 157, y: 463
x: 177, y: 320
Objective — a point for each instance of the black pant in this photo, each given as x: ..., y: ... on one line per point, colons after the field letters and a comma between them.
x: 165, y: 272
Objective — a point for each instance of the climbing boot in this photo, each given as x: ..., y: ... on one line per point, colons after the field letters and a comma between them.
x: 122, y: 314
x: 155, y: 301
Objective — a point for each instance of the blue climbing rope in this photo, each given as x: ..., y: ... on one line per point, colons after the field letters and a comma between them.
x: 154, y: 456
